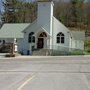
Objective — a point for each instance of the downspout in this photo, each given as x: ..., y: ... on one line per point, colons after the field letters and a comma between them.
x: 52, y: 34
x: 71, y: 41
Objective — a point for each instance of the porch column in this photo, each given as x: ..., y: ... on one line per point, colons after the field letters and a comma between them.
x: 51, y: 43
x: 45, y: 42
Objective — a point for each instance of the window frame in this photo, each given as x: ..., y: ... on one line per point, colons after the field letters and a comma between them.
x: 60, y: 38
x: 31, y: 38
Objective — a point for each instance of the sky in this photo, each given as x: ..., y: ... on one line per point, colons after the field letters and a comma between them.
x: 0, y: 5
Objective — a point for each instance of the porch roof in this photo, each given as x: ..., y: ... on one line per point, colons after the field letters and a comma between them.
x: 41, y: 29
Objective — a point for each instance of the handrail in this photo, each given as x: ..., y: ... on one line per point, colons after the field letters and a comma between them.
x: 61, y: 47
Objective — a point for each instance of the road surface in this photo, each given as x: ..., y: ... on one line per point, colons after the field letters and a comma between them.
x: 45, y: 73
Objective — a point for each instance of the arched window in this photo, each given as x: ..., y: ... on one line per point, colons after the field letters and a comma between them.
x: 43, y: 34
x: 31, y: 38
x: 60, y: 38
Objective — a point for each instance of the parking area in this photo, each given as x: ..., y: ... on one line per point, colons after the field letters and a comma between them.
x: 45, y: 73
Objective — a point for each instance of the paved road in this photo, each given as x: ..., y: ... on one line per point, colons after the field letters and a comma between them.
x: 45, y: 73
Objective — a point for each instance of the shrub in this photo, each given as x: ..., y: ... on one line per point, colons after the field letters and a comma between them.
x: 88, y: 50
x: 10, y: 55
x: 87, y: 47
x: 77, y: 52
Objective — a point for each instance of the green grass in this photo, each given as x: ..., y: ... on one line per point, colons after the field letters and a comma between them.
x: 87, y: 48
x: 77, y: 52
x: 74, y: 52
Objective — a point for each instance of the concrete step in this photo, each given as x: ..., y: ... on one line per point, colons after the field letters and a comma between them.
x: 40, y: 52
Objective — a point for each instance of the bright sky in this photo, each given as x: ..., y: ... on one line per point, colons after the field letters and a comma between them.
x: 0, y: 4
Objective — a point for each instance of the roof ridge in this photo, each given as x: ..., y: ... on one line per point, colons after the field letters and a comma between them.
x: 17, y: 23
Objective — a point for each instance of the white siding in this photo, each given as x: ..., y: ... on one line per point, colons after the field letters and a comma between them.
x: 58, y: 27
x: 77, y: 44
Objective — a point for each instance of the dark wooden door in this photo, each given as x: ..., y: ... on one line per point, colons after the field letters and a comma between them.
x: 40, y: 43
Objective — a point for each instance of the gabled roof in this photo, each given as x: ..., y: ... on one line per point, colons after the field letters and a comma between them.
x: 33, y: 24
x: 60, y: 24
x: 78, y: 35
x: 13, y: 30
x: 41, y: 29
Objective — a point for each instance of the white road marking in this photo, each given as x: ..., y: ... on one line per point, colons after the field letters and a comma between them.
x: 26, y: 82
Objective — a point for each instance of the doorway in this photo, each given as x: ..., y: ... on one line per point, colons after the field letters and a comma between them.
x: 41, y: 40
x: 40, y: 43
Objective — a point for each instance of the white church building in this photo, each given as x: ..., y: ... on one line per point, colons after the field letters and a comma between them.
x: 46, y: 32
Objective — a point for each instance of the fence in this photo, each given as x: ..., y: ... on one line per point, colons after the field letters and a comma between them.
x: 63, y: 50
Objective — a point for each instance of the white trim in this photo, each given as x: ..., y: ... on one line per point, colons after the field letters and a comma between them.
x: 40, y: 29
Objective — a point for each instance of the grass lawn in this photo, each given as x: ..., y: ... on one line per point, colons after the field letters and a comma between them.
x: 87, y: 48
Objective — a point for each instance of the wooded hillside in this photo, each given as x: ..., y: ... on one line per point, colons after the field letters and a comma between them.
x: 73, y: 14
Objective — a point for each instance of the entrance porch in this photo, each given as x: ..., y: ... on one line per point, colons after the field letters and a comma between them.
x: 42, y: 39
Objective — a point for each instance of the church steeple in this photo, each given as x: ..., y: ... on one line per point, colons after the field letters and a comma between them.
x: 45, y: 13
